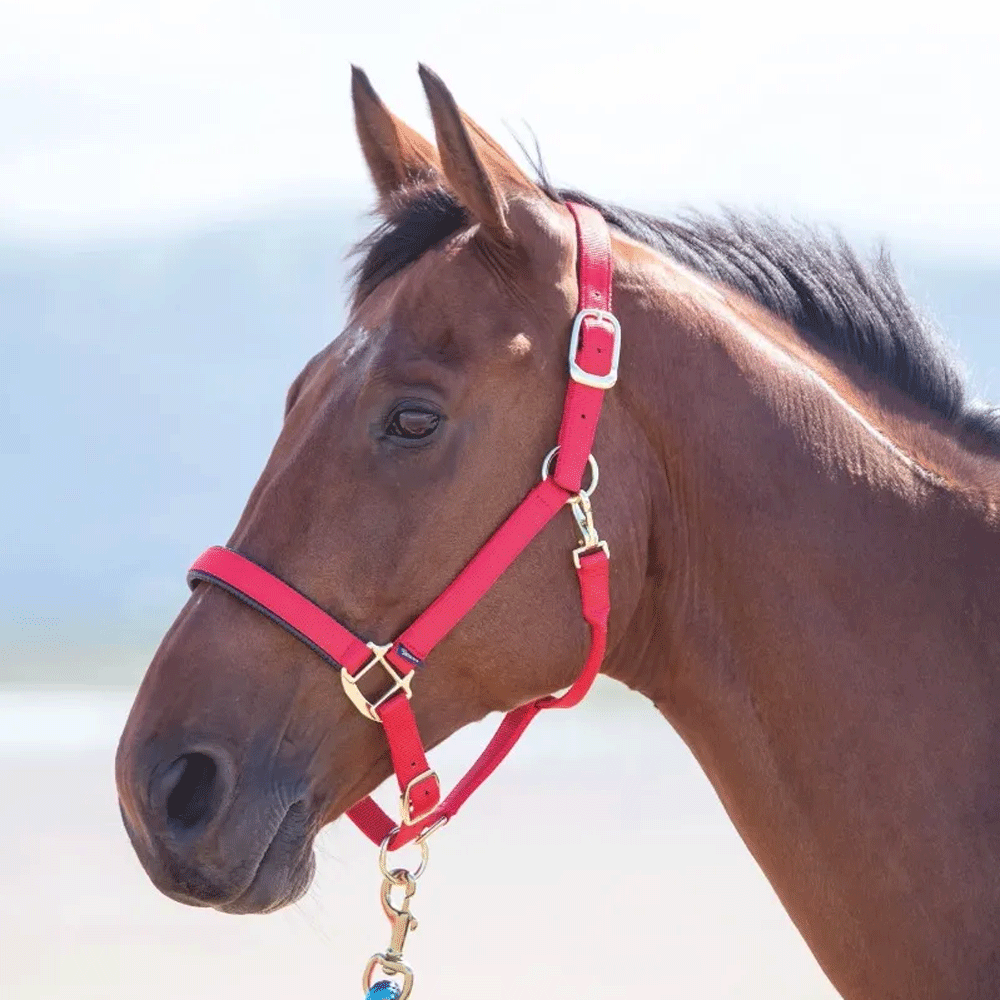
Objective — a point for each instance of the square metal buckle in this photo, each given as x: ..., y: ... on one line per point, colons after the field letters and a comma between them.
x: 400, y: 682
x: 579, y: 374
x: 405, y: 805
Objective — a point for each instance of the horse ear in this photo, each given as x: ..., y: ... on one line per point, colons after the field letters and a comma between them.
x: 396, y: 154
x: 477, y: 169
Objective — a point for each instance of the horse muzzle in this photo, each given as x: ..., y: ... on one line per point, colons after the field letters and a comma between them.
x: 207, y: 840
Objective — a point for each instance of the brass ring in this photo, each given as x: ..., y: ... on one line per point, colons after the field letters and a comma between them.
x: 383, y: 859
x: 595, y: 472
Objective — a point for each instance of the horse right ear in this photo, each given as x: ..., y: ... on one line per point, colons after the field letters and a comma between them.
x: 395, y: 153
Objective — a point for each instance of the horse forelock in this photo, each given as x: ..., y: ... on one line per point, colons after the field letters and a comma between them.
x: 414, y: 221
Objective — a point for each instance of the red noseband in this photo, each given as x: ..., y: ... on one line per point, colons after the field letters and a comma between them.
x: 593, y: 365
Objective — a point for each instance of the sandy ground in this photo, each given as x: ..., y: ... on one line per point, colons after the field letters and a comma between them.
x: 596, y: 863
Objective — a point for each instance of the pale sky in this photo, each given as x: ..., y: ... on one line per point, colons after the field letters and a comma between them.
x: 125, y: 115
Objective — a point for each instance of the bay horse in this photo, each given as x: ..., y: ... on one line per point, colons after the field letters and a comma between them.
x: 801, y: 508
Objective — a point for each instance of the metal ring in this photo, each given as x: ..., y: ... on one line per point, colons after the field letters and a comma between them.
x: 595, y: 472
x: 425, y: 853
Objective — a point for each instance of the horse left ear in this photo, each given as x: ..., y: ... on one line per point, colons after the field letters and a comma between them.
x: 395, y: 153
x: 477, y: 169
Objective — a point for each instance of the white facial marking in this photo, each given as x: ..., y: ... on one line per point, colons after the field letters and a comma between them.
x: 353, y: 339
x: 520, y: 345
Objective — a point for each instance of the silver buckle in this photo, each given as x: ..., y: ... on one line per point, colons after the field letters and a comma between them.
x: 578, y: 374
x: 400, y: 682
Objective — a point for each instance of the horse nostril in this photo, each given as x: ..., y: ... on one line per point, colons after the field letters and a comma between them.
x: 190, y: 785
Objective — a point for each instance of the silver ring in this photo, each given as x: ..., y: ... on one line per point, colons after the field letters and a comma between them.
x: 383, y: 859
x: 595, y: 472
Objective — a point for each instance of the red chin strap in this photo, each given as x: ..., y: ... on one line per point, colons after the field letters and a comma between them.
x: 593, y: 367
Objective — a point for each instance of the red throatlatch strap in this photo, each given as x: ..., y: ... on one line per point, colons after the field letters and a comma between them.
x: 595, y: 353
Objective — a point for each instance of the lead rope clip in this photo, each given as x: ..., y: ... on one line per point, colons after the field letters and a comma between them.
x: 401, y: 922
x: 583, y: 514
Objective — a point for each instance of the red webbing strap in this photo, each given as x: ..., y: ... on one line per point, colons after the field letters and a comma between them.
x: 593, y: 577
x: 595, y: 352
x: 369, y: 817
x: 484, y: 569
x: 419, y: 788
x: 595, y: 599
x: 250, y: 583
x: 255, y: 586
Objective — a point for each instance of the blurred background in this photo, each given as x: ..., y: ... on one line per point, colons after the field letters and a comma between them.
x: 179, y: 184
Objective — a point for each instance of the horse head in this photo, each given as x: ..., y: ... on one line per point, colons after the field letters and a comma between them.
x: 405, y: 443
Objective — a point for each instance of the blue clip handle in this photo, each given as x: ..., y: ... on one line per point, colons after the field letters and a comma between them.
x: 383, y: 991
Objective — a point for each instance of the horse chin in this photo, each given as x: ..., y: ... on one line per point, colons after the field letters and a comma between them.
x: 273, y: 887
x: 283, y: 876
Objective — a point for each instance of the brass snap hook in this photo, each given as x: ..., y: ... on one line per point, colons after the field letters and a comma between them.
x: 401, y: 921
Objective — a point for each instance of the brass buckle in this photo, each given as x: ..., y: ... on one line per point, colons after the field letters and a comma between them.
x: 405, y: 805
x: 400, y: 682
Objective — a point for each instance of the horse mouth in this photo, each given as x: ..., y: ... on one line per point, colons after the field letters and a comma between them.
x: 284, y: 872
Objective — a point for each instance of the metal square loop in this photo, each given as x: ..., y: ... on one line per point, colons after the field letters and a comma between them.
x: 400, y: 682
x: 579, y: 374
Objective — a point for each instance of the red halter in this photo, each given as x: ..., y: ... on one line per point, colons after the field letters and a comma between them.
x: 593, y: 367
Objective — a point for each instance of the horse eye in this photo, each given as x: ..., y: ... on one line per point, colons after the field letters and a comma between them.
x: 412, y: 425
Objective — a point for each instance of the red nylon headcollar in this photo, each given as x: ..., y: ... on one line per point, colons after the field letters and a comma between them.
x: 593, y: 364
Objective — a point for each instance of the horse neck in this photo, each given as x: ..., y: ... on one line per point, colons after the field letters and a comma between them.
x: 825, y: 613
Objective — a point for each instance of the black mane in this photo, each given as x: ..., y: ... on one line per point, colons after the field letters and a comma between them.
x: 816, y: 283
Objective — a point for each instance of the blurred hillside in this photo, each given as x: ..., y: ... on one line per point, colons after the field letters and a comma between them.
x: 143, y: 383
